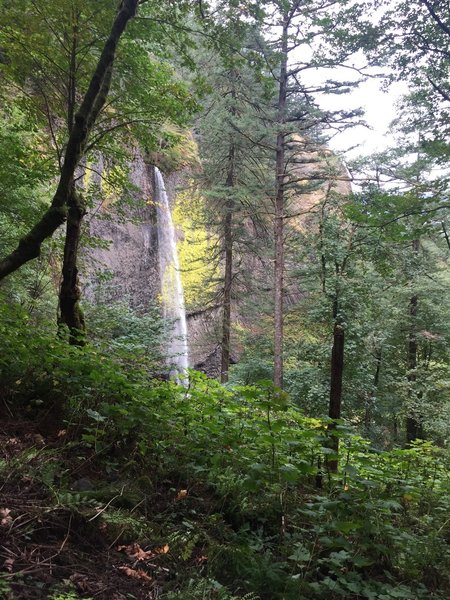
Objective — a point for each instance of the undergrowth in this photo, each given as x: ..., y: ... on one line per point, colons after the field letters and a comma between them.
x: 200, y: 492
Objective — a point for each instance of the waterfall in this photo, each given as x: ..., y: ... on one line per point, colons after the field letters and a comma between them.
x: 171, y: 285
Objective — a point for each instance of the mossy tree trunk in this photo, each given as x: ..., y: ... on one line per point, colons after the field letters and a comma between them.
x: 70, y: 293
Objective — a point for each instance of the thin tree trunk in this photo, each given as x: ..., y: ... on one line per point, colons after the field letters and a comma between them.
x: 29, y: 246
x: 412, y: 426
x: 373, y: 393
x: 323, y: 261
x: 70, y: 312
x: 336, y: 374
x: 228, y: 242
x: 444, y: 231
x: 279, y: 211
x: 71, y: 82
x: 413, y: 422
x: 395, y: 429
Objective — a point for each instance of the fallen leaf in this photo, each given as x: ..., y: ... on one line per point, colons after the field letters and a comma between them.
x: 182, y: 494
x: 8, y: 564
x: 164, y: 550
x: 5, y: 516
x: 135, y: 573
x: 135, y: 551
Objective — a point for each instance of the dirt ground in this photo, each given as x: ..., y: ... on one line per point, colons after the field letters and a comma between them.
x: 46, y: 547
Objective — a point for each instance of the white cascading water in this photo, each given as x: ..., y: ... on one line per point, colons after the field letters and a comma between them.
x: 171, y: 285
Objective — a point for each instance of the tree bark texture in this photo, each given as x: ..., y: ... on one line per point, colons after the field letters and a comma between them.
x: 337, y: 370
x: 414, y: 428
x: 336, y: 374
x: 279, y: 210
x: 29, y: 246
x: 70, y: 294
x: 228, y: 279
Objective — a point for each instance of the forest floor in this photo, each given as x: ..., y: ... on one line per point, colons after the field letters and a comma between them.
x: 53, y: 544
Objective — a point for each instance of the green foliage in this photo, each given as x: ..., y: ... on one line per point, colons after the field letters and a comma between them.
x: 24, y: 170
x: 4, y: 587
x: 255, y: 496
x: 36, y: 50
x: 122, y: 526
x: 256, y: 361
x: 206, y: 589
x: 43, y: 371
x: 65, y: 596
x: 133, y: 335
x: 233, y: 479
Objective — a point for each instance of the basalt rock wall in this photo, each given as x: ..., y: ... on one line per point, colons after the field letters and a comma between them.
x: 124, y: 264
x: 128, y: 256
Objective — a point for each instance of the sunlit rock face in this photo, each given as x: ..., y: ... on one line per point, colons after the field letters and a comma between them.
x: 126, y: 264
x: 318, y: 176
x: 129, y: 262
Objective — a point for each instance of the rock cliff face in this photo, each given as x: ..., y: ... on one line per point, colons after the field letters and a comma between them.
x: 128, y: 257
x: 129, y: 253
x: 126, y: 261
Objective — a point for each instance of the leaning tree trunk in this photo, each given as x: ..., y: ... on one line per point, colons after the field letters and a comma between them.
x: 29, y: 246
x: 279, y: 211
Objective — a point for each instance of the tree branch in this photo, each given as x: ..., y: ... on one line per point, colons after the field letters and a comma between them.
x: 29, y: 246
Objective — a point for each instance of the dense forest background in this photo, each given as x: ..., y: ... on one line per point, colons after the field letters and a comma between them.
x: 305, y: 453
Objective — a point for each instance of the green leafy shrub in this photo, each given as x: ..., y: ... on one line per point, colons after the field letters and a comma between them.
x: 240, y: 473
